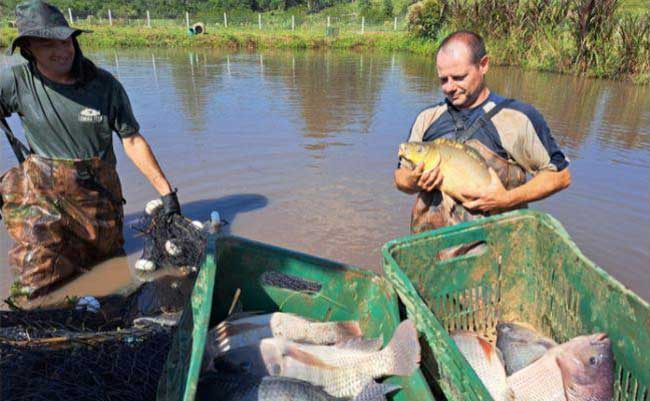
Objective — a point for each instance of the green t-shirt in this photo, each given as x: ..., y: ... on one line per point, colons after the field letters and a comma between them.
x: 67, y: 121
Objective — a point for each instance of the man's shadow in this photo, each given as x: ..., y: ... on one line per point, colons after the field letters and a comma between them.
x: 229, y: 207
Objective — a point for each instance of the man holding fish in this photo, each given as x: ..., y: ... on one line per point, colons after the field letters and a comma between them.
x: 469, y: 155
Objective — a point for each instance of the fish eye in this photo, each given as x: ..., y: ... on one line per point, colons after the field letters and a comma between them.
x: 420, y: 148
x: 593, y: 360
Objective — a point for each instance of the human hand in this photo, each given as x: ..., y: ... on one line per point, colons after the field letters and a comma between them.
x: 430, y: 179
x: 170, y: 203
x: 494, y: 197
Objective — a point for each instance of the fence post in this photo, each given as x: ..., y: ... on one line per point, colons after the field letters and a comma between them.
x: 395, y: 24
x: 328, y: 21
x: 110, y: 17
x: 363, y: 24
x: 187, y: 20
x: 259, y: 20
x: 225, y: 20
x: 70, y: 15
x: 293, y: 23
x: 148, y: 19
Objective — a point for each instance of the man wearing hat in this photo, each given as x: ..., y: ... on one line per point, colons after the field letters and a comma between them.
x: 63, y: 204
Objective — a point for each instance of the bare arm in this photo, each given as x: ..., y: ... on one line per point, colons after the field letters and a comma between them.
x: 138, y: 150
x: 496, y: 198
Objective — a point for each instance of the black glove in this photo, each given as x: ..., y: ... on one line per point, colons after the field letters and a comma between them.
x: 170, y: 204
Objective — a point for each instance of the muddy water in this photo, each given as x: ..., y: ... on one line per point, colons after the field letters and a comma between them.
x: 297, y: 149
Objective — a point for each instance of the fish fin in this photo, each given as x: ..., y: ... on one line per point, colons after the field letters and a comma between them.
x: 488, y: 349
x: 351, y: 328
x: 564, y: 363
x: 374, y: 391
x: 294, y: 352
x: 361, y: 344
x: 404, y: 349
x: 234, y: 328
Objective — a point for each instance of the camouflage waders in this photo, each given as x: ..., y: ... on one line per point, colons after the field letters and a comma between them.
x: 64, y: 215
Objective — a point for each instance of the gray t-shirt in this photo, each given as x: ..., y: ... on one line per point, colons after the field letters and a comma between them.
x: 67, y: 121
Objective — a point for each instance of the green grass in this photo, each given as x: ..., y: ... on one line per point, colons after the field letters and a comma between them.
x: 248, y: 38
x: 635, y: 6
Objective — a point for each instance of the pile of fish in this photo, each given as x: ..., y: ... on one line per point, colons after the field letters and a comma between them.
x: 526, y: 366
x: 281, y: 356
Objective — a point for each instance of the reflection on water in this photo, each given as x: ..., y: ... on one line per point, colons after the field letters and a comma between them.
x: 309, y: 140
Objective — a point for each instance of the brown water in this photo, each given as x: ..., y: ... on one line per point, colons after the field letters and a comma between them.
x: 297, y: 149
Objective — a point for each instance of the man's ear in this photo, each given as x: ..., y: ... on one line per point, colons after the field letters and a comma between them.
x: 484, y: 65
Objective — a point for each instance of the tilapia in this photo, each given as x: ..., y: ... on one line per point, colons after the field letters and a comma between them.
x: 484, y: 358
x: 462, y: 167
x: 521, y: 345
x: 247, y: 329
x: 342, y: 372
x: 581, y: 369
x: 228, y: 387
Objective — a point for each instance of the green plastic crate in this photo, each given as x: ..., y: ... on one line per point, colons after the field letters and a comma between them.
x: 232, y: 263
x: 529, y: 270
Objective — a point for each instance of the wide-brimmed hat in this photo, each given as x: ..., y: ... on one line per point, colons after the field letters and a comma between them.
x: 38, y: 19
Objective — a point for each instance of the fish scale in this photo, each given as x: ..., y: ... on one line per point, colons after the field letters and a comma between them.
x: 344, y: 376
x: 484, y: 359
x: 462, y: 167
x: 547, y: 379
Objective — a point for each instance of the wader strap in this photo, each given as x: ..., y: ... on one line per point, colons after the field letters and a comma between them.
x: 462, y: 133
x: 19, y: 149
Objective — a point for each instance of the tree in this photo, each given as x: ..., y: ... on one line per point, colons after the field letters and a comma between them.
x: 387, y: 8
x: 363, y: 6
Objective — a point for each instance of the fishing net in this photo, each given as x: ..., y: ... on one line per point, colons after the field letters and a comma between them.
x: 70, y: 354
x: 171, y: 241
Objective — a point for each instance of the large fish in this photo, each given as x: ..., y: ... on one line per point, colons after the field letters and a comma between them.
x: 342, y: 372
x: 521, y: 345
x: 248, y: 329
x: 229, y: 387
x: 462, y: 167
x: 484, y: 358
x: 581, y: 369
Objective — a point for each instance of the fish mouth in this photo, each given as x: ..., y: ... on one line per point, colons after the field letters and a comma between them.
x: 403, y: 161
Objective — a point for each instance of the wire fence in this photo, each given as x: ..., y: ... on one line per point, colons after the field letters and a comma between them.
x: 350, y: 23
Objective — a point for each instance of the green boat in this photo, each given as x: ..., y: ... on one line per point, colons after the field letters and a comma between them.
x: 236, y: 265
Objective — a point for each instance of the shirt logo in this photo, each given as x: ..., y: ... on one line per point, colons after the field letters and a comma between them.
x: 90, y: 116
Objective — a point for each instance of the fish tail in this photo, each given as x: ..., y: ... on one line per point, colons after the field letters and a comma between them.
x: 350, y: 329
x: 374, y: 391
x: 403, y: 350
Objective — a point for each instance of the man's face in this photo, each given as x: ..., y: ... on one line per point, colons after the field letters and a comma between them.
x: 460, y: 79
x: 53, y: 55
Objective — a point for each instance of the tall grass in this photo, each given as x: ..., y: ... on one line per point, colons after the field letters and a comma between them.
x: 590, y: 37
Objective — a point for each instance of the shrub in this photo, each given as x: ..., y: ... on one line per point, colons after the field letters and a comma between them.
x: 426, y: 17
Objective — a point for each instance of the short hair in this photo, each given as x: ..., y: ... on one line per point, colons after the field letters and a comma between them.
x: 472, y: 40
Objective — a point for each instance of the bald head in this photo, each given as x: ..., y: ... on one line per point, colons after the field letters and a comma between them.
x: 465, y: 43
x: 462, y: 64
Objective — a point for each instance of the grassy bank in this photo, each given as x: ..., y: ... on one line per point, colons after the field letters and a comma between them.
x: 124, y: 37
x: 550, y: 50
